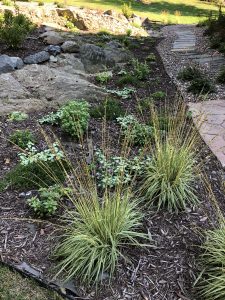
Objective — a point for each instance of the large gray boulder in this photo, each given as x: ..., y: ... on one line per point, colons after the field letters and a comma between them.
x: 52, y: 38
x: 70, y: 47
x: 96, y: 59
x: 8, y: 64
x: 57, y: 86
x: 37, y: 58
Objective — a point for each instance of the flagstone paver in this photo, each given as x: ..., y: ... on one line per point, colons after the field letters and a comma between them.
x: 209, y: 117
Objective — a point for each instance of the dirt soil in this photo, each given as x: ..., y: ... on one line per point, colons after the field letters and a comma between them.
x: 165, y: 272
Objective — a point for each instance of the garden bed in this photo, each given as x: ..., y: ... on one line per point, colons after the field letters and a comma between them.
x: 165, y: 271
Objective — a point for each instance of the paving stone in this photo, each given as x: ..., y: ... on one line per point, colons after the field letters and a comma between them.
x: 209, y: 117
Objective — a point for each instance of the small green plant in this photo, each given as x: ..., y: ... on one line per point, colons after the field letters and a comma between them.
x: 125, y: 93
x: 70, y: 25
x: 140, y: 70
x: 22, y: 138
x: 7, y: 2
x: 135, y: 132
x: 144, y: 104
x: 116, y: 170
x: 104, y: 32
x: 74, y: 118
x: 151, y: 57
x: 157, y: 96
x: 14, y: 29
x: 212, y: 283
x: 129, y: 32
x: 47, y: 201
x: 41, y: 3
x: 103, y: 77
x: 97, y: 234
x: 221, y: 76
x: 59, y: 4
x: 201, y: 85
x: 189, y: 73
x: 127, y: 10
x: 32, y: 155
x: 35, y: 175
x: 18, y: 116
x: 52, y: 118
x: 110, y: 109
x: 127, y: 79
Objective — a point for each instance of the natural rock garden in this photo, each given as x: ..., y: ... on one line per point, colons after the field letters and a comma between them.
x: 109, y: 188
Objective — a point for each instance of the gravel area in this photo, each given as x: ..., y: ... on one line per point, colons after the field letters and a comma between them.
x: 175, y: 61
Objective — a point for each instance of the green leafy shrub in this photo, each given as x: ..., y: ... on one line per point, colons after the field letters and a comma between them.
x: 32, y: 155
x: 52, y: 118
x: 169, y: 177
x: 125, y: 93
x: 14, y: 29
x: 104, y: 32
x: 74, y: 118
x: 221, y: 76
x: 140, y: 70
x: 134, y: 131
x: 47, y: 201
x: 213, y: 280
x: 201, y: 85
x: 22, y: 138
x: 41, y: 3
x: 110, y: 109
x: 127, y: 10
x: 103, y: 77
x: 70, y: 25
x: 17, y: 116
x: 35, y: 175
x: 7, y: 2
x: 145, y: 104
x: 116, y: 170
x: 97, y: 234
x: 158, y: 95
x: 129, y: 32
x: 151, y: 57
x: 189, y: 73
x: 59, y: 4
x: 37, y: 168
x: 127, y: 79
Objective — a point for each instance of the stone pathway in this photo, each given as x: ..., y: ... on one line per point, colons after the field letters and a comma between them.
x: 211, y: 114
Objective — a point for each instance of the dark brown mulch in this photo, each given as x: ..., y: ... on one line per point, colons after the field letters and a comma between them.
x: 165, y: 272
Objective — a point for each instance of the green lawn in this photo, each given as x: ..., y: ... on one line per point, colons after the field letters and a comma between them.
x: 14, y: 286
x: 191, y: 10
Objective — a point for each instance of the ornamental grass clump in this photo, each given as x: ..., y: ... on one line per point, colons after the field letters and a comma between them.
x: 169, y: 177
x: 98, y: 231
x: 212, y: 285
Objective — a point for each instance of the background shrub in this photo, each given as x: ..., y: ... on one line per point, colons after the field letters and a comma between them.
x: 14, y: 29
x: 189, y: 73
x: 201, y: 85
